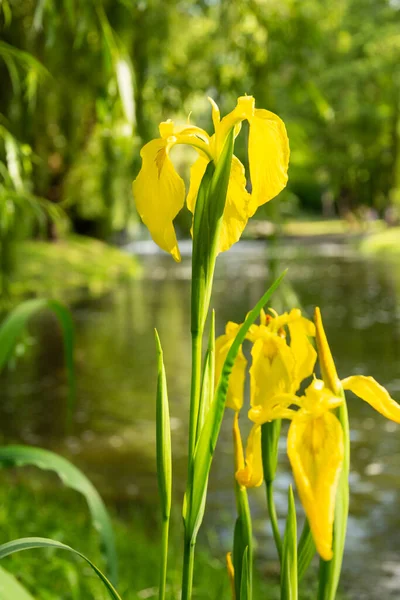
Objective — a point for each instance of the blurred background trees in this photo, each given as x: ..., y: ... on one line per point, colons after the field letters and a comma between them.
x: 84, y: 84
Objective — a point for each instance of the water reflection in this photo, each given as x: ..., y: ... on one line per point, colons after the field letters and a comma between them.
x: 114, y: 437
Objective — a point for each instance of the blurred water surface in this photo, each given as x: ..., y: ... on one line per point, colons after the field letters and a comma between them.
x: 113, y: 437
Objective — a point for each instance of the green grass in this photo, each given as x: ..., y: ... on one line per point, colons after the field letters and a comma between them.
x: 384, y: 243
x: 38, y: 506
x: 69, y: 268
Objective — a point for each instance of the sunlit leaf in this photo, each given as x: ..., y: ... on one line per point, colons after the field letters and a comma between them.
x: 30, y: 543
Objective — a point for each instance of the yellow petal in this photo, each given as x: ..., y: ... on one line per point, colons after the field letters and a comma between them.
x: 375, y: 394
x: 237, y: 444
x: 236, y: 213
x: 252, y: 475
x: 268, y: 157
x: 243, y: 110
x: 302, y: 348
x: 318, y: 399
x: 197, y: 171
x: 231, y: 573
x: 159, y: 194
x: 328, y: 369
x: 315, y: 450
x: 271, y: 370
x: 234, y: 398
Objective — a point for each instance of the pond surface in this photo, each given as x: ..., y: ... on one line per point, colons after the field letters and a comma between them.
x: 113, y: 437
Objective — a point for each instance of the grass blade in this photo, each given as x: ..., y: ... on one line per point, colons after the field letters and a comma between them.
x: 305, y: 551
x: 73, y: 478
x: 30, y: 543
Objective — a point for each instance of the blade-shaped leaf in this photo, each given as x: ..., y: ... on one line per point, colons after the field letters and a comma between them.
x: 209, y: 434
x: 30, y: 543
x: 289, y: 585
x: 245, y: 585
x: 305, y: 551
x: 74, y: 479
x: 164, y: 460
x: 15, y: 323
x: 11, y: 588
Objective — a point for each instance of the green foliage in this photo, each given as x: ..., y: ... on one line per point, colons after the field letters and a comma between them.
x: 31, y: 543
x: 72, y: 267
x: 73, y: 478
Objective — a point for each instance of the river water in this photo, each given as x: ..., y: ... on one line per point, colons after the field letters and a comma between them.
x: 113, y: 436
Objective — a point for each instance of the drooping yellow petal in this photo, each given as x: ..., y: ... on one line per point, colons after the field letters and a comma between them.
x: 252, y: 475
x: 268, y: 157
x: 234, y: 398
x: 316, y: 450
x: 375, y: 394
x: 159, y: 194
x: 197, y: 171
x: 236, y: 213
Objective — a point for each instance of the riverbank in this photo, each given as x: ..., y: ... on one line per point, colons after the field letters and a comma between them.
x: 71, y: 268
x: 29, y: 510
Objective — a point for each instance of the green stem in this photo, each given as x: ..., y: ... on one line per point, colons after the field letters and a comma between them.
x: 197, y: 338
x: 273, y: 517
x: 187, y: 574
x: 164, y: 558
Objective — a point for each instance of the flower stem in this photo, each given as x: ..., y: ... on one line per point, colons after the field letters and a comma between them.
x: 273, y: 517
x: 164, y: 558
x: 195, y: 389
x: 187, y: 573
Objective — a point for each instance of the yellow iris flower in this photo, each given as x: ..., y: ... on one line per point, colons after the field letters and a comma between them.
x: 315, y: 442
x: 159, y: 191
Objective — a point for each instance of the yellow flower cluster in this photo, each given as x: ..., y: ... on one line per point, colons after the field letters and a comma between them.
x: 159, y: 191
x: 283, y: 356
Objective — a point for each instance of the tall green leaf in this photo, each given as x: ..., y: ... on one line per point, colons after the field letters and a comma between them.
x: 11, y: 588
x: 164, y: 460
x: 245, y: 582
x: 15, y: 323
x: 30, y: 543
x: 74, y: 479
x: 209, y: 435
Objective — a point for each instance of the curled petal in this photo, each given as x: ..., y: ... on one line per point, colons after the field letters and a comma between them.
x: 277, y: 408
x: 318, y: 399
x: 268, y: 157
x: 375, y: 394
x: 252, y: 474
x: 236, y: 212
x: 197, y: 171
x: 159, y: 194
x: 234, y: 398
x: 316, y: 450
x: 328, y: 369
